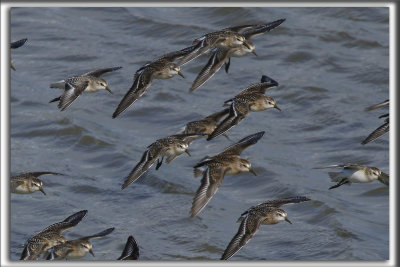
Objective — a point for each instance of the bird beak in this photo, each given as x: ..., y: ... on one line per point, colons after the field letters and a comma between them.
x: 252, y: 171
x: 276, y: 106
x: 12, y: 65
x: 187, y: 152
x: 254, y: 52
x: 180, y: 74
x: 91, y: 252
x: 286, y: 219
x: 41, y: 190
x: 108, y: 89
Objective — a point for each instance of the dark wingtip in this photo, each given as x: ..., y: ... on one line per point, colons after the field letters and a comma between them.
x: 76, y: 217
x: 270, y: 81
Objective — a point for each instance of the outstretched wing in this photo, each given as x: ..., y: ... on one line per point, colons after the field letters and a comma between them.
x: 216, y: 61
x: 381, y: 130
x: 131, y: 250
x: 100, y: 234
x: 247, y: 229
x: 148, y: 159
x: 200, y: 46
x: 68, y: 223
x: 266, y: 83
x: 260, y: 29
x: 99, y: 72
x: 238, y: 111
x: 383, y: 104
x: 142, y: 81
x: 279, y: 202
x: 237, y: 148
x: 212, y: 179
x: 72, y: 92
x: 18, y: 43
x: 349, y: 166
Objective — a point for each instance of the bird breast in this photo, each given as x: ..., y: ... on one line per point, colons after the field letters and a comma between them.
x: 259, y: 105
x: 360, y: 177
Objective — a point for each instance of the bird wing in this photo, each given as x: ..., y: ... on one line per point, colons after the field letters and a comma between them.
x: 72, y: 92
x: 237, y: 148
x: 247, y: 229
x: 18, y: 43
x: 199, y: 47
x: 33, y: 249
x: 261, y: 28
x: 237, y: 112
x: 99, y: 72
x: 142, y: 81
x: 383, y: 104
x: 212, y: 179
x: 384, y: 178
x: 68, y: 223
x: 266, y: 83
x: 149, y: 157
x: 381, y: 130
x: 131, y: 250
x: 37, y: 174
x: 284, y: 201
x: 216, y: 61
x: 100, y: 234
x: 349, y: 166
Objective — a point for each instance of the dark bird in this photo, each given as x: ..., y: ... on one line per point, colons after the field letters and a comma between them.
x: 226, y: 162
x: 169, y: 147
x: 50, y: 236
x: 249, y: 100
x: 221, y: 56
x: 161, y: 68
x: 268, y: 212
x: 76, y: 85
x: 77, y: 248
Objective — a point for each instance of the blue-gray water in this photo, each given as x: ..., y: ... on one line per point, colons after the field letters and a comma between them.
x: 331, y: 63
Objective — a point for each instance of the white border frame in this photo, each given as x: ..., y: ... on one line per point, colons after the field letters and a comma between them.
x: 5, y: 133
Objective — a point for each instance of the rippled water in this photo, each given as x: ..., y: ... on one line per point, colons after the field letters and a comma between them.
x: 331, y: 63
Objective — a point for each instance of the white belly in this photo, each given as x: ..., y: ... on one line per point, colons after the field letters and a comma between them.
x: 360, y: 177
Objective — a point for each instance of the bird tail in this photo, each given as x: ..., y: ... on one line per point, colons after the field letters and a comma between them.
x: 55, y: 99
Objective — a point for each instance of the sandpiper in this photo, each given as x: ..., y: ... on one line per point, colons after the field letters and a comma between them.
x: 27, y: 183
x: 15, y: 45
x: 169, y: 147
x: 225, y: 38
x: 268, y: 212
x: 131, y: 250
x: 76, y: 85
x: 250, y: 99
x: 76, y: 248
x: 354, y: 173
x: 161, y: 68
x: 50, y: 236
x: 206, y: 125
x: 223, y: 56
x: 226, y: 162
